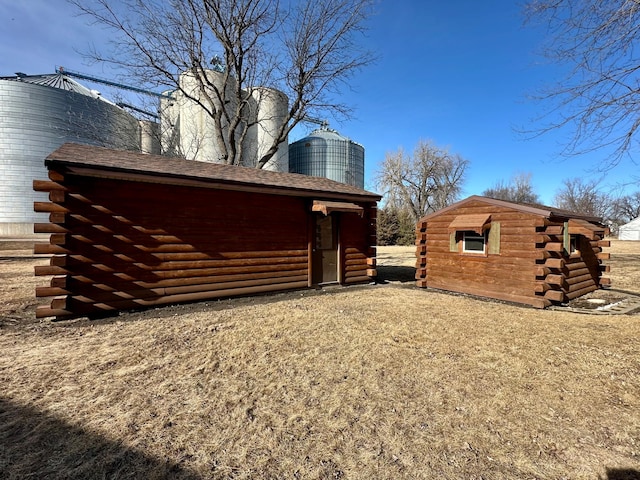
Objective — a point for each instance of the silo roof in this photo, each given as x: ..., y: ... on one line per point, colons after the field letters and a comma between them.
x: 325, y: 134
x: 56, y: 80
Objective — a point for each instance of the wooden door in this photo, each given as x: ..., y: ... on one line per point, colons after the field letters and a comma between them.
x: 325, y: 250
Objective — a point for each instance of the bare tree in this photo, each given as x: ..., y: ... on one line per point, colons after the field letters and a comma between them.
x: 519, y: 190
x: 424, y: 182
x: 627, y: 208
x: 595, y: 41
x: 585, y: 197
x: 236, y: 53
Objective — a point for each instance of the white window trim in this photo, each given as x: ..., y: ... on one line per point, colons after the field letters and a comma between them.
x: 475, y: 236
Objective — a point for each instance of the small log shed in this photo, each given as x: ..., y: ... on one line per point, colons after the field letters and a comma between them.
x: 130, y: 230
x: 526, y: 254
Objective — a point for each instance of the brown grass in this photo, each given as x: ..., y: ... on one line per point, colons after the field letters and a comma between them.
x: 384, y: 381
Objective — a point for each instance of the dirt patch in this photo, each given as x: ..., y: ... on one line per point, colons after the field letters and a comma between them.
x: 598, y: 300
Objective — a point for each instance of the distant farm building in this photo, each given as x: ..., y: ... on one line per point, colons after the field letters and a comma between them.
x: 630, y: 231
x: 129, y: 230
x: 520, y: 253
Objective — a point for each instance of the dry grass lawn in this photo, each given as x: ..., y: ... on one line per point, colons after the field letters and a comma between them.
x: 384, y: 381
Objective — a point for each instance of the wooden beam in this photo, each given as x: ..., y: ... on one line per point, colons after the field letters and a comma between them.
x: 554, y: 247
x: 542, y: 271
x: 49, y: 270
x: 58, y: 239
x: 55, y: 176
x: 541, y: 287
x: 554, y: 263
x: 47, y: 186
x: 579, y: 293
x: 554, y: 279
x: 48, y: 228
x: 57, y: 217
x: 51, y: 291
x: 57, y: 196
x: 553, y: 229
x: 46, y: 207
x: 554, y: 295
x: 47, y: 249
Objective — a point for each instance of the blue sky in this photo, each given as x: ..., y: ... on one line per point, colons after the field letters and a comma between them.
x: 459, y: 73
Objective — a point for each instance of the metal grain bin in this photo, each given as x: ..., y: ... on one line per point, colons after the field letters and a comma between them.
x: 326, y: 153
x: 38, y: 113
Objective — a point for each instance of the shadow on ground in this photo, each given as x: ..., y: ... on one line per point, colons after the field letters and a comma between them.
x: 34, y: 444
x: 402, y: 274
x: 622, y: 474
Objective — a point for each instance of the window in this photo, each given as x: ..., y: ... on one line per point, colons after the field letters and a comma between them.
x: 485, y: 241
x: 473, y: 243
x: 574, y: 242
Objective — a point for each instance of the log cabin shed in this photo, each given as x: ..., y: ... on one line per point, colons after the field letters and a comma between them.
x: 527, y: 254
x: 129, y: 230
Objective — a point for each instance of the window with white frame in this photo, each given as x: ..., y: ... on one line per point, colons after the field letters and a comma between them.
x: 473, y: 242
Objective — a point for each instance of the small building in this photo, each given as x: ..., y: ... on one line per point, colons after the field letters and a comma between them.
x: 630, y: 231
x: 526, y: 254
x: 130, y: 230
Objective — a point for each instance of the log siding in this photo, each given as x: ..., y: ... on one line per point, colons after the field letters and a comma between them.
x: 120, y: 244
x: 525, y: 259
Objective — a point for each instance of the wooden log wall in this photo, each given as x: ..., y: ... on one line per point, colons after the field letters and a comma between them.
x: 119, y: 245
x: 532, y: 266
x: 358, y: 246
x: 508, y: 275
x: 421, y: 254
x: 563, y: 276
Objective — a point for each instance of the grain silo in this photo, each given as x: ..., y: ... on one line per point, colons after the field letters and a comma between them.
x: 38, y: 113
x: 270, y: 107
x: 326, y: 153
x: 189, y: 131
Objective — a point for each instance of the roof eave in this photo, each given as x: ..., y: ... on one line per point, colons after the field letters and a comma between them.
x: 78, y: 168
x: 540, y: 211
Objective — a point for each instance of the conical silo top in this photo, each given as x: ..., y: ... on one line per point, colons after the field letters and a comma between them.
x: 325, y: 133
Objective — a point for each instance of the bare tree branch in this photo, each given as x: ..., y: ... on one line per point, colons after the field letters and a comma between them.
x: 305, y: 49
x: 585, y: 197
x: 427, y: 181
x: 598, y: 98
x: 519, y: 190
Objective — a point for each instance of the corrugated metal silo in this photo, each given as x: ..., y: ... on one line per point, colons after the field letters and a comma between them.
x: 38, y: 113
x: 326, y: 153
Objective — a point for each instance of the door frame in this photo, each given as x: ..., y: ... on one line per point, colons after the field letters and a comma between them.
x: 313, y: 254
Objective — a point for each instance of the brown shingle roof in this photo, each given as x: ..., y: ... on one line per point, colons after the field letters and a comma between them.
x: 99, y: 161
x: 534, y: 209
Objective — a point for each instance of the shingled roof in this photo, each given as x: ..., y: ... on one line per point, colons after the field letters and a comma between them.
x: 534, y: 209
x: 108, y: 163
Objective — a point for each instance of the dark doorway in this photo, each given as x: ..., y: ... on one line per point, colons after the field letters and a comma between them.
x: 325, y: 250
